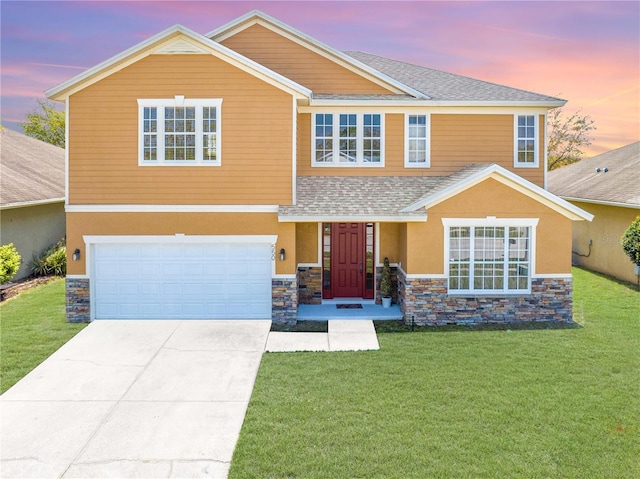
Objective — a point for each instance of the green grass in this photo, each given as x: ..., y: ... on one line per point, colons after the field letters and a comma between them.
x: 557, y: 403
x: 32, y: 327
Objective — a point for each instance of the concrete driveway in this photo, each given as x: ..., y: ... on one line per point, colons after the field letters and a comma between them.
x: 155, y: 399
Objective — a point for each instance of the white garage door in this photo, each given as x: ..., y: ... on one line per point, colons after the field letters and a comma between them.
x: 182, y: 281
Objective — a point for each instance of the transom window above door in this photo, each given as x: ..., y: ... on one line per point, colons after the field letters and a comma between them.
x: 179, y: 131
x: 348, y: 139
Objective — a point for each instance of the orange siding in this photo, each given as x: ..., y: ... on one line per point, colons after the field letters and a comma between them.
x: 79, y: 224
x: 456, y: 141
x: 299, y: 63
x: 425, y: 241
x: 256, y: 137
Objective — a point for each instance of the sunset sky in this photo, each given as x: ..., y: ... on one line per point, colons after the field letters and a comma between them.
x: 585, y: 52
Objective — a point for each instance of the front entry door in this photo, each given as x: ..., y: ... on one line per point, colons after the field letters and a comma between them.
x: 347, y: 260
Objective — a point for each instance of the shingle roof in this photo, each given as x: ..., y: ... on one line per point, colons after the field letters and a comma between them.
x: 367, y: 196
x: 443, y: 86
x: 620, y: 184
x: 31, y: 171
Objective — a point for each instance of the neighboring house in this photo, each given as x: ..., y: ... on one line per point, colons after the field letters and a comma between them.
x: 31, y: 195
x: 607, y: 186
x: 241, y: 173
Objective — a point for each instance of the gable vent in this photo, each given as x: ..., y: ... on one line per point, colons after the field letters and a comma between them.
x: 179, y: 47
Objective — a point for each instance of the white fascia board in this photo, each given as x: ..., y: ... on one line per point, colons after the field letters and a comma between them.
x: 171, y: 208
x: 438, y: 103
x: 301, y: 38
x: 144, y: 48
x: 26, y: 204
x: 510, y: 179
x: 353, y: 219
x: 602, y: 202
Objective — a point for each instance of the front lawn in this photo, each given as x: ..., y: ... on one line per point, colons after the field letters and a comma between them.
x: 518, y: 404
x: 32, y: 327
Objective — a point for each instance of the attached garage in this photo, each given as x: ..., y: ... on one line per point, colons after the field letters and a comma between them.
x: 181, y: 277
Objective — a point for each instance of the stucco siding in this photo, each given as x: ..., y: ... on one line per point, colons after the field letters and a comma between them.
x: 605, y: 254
x: 32, y: 229
x: 80, y: 224
x: 256, y: 139
x: 425, y: 241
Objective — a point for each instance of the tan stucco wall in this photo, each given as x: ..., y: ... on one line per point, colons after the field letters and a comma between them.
x: 32, y: 229
x: 80, y: 224
x: 307, y: 243
x: 425, y: 241
x: 389, y: 246
x: 608, y: 225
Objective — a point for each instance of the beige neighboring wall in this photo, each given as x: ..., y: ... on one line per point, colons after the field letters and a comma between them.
x: 456, y: 141
x: 298, y: 63
x: 257, y: 128
x: 116, y: 224
x: 32, y: 229
x: 425, y: 241
x: 606, y: 229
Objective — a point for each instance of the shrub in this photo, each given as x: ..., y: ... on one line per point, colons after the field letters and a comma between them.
x: 9, y: 262
x: 631, y: 241
x: 386, y: 288
x: 52, y: 262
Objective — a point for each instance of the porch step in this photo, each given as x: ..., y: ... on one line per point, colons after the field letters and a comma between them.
x: 325, y: 312
x: 343, y: 335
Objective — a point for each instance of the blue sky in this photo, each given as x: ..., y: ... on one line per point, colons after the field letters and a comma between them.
x: 585, y: 52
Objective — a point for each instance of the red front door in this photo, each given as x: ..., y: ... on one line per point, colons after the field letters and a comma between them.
x: 347, y: 260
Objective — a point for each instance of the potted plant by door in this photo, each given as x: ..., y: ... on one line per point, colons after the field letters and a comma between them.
x: 386, y: 288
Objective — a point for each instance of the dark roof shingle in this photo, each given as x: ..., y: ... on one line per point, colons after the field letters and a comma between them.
x: 31, y: 170
x: 619, y: 184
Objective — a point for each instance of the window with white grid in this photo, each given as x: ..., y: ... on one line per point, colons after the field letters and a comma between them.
x: 416, y: 141
x: 179, y: 131
x: 526, y: 144
x: 489, y: 259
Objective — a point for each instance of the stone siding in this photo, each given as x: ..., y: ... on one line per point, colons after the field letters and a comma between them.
x: 426, y: 302
x: 284, y: 307
x: 309, y: 285
x: 77, y: 300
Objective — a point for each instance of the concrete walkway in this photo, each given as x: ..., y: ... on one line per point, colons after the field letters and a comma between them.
x: 146, y: 399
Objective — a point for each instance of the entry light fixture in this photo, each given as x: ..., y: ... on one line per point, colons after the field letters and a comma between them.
x: 283, y: 254
x: 76, y: 254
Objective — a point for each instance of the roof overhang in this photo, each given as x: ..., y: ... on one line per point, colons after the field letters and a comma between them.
x: 546, y: 105
x: 510, y: 179
x: 160, y: 43
x: 602, y: 202
x: 408, y: 218
x: 256, y: 17
x: 26, y: 204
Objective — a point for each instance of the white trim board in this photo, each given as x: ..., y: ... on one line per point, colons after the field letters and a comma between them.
x: 107, y: 208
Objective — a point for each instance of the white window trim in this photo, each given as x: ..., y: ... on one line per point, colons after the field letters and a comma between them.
x: 489, y: 221
x: 177, y: 101
x: 536, y: 139
x: 360, y: 163
x: 408, y: 164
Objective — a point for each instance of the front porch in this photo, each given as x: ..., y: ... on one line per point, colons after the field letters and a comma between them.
x: 356, y: 310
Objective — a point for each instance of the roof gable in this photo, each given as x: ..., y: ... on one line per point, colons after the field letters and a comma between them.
x: 610, y: 178
x: 257, y: 17
x: 31, y: 171
x: 174, y: 40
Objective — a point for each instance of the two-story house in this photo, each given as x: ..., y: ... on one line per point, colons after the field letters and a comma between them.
x: 241, y: 173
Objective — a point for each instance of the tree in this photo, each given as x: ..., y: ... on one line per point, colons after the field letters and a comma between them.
x: 9, y: 262
x: 46, y: 125
x: 631, y: 241
x: 567, y: 137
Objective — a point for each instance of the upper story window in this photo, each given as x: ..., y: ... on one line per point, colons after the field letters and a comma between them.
x: 526, y: 141
x: 416, y: 142
x: 179, y: 131
x: 489, y: 259
x: 348, y: 139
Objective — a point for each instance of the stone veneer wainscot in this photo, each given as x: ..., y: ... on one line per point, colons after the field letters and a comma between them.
x: 426, y: 301
x: 309, y: 285
x: 78, y: 300
x: 284, y: 307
